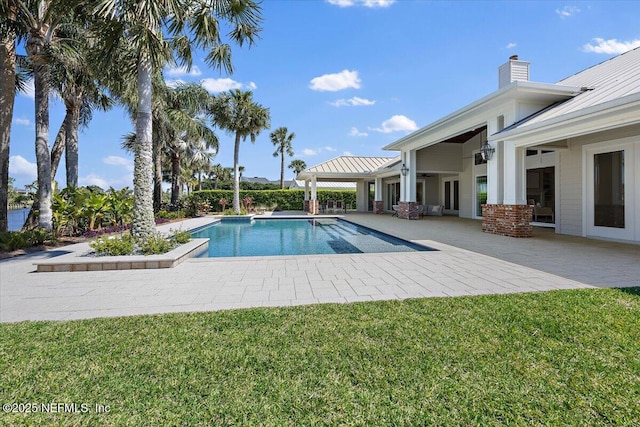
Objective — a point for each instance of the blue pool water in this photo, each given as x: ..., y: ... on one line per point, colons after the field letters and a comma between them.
x: 265, y: 237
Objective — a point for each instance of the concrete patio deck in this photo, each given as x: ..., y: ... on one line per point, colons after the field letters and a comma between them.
x: 468, y: 262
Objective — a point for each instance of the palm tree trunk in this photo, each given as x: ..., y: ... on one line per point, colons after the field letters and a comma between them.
x: 71, y: 145
x: 157, y: 179
x: 142, y: 224
x: 282, y: 170
x: 236, y: 175
x: 56, y: 155
x: 7, y: 95
x: 43, y: 156
x: 58, y: 148
x: 175, y: 178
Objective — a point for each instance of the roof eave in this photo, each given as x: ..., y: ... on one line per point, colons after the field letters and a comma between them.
x: 506, y: 92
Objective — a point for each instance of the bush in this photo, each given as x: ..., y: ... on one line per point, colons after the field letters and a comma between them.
x: 171, y: 214
x: 122, y: 245
x: 154, y: 245
x: 279, y: 199
x: 13, y: 240
x: 181, y: 236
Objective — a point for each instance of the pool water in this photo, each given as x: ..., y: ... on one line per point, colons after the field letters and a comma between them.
x: 267, y: 237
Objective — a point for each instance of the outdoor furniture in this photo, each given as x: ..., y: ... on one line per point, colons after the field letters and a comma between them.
x: 395, y: 210
x: 434, y: 210
x: 543, y: 212
x: 420, y: 209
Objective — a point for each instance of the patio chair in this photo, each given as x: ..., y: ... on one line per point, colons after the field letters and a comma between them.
x: 330, y: 206
x: 543, y: 212
x: 339, y: 206
x: 395, y: 210
x: 420, y: 209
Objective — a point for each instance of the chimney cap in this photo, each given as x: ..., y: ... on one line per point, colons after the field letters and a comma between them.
x: 513, y: 58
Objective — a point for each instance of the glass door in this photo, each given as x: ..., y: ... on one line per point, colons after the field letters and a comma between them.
x: 451, y: 195
x: 481, y: 194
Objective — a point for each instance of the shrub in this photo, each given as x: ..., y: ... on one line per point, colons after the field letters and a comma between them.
x: 13, y: 240
x: 171, y: 214
x: 154, y: 245
x: 279, y: 199
x: 181, y: 236
x: 122, y: 245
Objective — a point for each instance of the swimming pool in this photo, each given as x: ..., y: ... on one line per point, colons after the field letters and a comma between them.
x: 268, y: 237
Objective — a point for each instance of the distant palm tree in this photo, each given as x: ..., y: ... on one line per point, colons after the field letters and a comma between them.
x: 238, y: 114
x: 163, y: 32
x: 282, y: 140
x: 297, y: 166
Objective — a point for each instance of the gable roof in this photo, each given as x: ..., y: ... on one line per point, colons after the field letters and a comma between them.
x: 346, y: 165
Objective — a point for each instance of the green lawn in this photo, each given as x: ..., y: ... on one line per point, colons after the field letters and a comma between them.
x: 554, y: 358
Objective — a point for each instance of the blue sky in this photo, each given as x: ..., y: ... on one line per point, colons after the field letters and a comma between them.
x: 350, y: 76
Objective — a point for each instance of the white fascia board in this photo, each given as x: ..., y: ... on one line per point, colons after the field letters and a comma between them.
x: 520, y: 90
x: 608, y: 115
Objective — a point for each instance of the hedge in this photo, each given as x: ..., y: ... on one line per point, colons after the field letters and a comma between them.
x: 284, y: 200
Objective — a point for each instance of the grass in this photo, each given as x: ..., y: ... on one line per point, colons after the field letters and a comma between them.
x: 554, y: 358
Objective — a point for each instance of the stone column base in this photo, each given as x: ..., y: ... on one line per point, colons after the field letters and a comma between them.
x: 305, y: 207
x: 408, y: 210
x: 314, y: 207
x: 508, y: 220
x: 378, y: 207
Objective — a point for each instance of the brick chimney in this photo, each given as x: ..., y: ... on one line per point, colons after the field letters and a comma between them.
x: 512, y: 70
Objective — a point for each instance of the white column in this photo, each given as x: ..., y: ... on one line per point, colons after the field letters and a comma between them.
x: 378, y: 189
x: 313, y: 188
x: 495, y: 194
x: 306, y: 189
x: 408, y: 182
x: 514, y: 175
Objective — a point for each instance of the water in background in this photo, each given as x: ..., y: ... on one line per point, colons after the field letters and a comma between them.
x: 16, y: 218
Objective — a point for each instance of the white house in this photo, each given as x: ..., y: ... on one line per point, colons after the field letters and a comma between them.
x: 564, y: 154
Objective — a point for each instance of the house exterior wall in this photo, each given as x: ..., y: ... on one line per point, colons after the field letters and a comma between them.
x: 571, y: 174
x: 440, y: 157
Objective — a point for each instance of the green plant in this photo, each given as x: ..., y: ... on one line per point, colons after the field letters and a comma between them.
x: 171, y: 214
x: 38, y: 236
x: 181, y: 236
x: 122, y: 245
x: 155, y: 244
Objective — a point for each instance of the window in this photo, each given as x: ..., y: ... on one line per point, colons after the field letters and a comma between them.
x: 481, y: 193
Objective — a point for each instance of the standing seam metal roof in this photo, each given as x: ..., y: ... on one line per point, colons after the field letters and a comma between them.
x: 349, y: 164
x: 612, y: 79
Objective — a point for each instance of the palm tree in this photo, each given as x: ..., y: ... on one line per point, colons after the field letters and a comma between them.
x: 238, y: 114
x: 42, y: 18
x: 186, y: 24
x: 282, y: 141
x: 297, y: 166
x: 8, y: 31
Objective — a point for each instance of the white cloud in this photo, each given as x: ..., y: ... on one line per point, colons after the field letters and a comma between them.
x: 19, y: 166
x: 511, y: 45
x: 353, y: 102
x: 567, y: 11
x: 225, y: 84
x: 397, y: 123
x: 22, y: 122
x: 365, y: 3
x: 309, y: 152
x: 610, y: 47
x: 329, y: 148
x: 118, y: 161
x: 347, y: 153
x: 355, y: 132
x: 182, y: 71
x: 93, y: 179
x: 334, y: 82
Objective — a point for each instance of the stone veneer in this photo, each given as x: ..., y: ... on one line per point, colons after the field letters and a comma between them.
x: 508, y: 220
x: 378, y: 207
x: 408, y: 210
x: 314, y: 207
